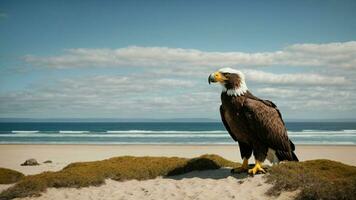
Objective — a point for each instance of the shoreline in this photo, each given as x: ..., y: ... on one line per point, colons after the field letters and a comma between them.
x: 12, y: 155
x: 156, y: 144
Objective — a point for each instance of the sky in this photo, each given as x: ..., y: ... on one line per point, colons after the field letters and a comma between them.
x: 152, y: 59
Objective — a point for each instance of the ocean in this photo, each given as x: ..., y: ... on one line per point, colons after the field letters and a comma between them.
x: 330, y: 133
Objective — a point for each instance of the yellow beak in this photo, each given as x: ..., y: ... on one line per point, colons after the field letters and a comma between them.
x: 216, y: 77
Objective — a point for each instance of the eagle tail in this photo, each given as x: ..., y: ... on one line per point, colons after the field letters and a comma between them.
x: 286, y: 156
x: 295, y: 158
x: 289, y: 156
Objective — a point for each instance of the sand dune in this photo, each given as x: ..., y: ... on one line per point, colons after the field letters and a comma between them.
x: 211, y: 184
x: 204, y: 185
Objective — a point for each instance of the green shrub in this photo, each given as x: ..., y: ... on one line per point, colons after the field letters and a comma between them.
x: 316, y: 179
x: 83, y: 174
x: 8, y: 176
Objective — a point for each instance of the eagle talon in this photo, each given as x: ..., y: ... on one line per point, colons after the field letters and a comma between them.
x: 256, y: 169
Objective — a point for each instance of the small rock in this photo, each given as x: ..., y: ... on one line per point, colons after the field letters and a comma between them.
x: 30, y: 162
x: 48, y: 161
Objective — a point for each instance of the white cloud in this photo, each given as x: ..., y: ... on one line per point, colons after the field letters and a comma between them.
x: 145, y: 97
x: 338, y: 54
x: 310, y: 99
x: 172, y: 82
x: 105, y: 96
x: 294, y: 79
x: 332, y: 54
x: 171, y: 93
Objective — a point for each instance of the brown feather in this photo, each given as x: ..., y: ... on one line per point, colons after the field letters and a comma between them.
x: 257, y: 124
x: 227, y: 127
x: 266, y: 122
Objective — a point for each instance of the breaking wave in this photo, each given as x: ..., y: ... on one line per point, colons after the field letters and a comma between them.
x: 307, y: 136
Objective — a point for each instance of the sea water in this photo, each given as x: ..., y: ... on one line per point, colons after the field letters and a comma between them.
x: 330, y: 133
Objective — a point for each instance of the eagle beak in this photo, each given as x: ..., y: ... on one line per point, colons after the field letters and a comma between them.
x: 216, y: 77
x: 211, y: 78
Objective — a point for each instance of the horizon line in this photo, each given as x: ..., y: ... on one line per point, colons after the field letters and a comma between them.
x: 79, y: 119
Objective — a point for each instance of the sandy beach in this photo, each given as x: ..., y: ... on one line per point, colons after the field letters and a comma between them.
x: 61, y: 155
x: 193, y: 185
x: 205, y: 185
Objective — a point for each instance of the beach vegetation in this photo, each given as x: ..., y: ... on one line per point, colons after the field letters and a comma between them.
x: 8, y: 176
x: 314, y: 179
x: 83, y: 174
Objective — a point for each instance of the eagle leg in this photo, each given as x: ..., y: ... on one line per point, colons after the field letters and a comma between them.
x: 243, y: 168
x: 257, y: 168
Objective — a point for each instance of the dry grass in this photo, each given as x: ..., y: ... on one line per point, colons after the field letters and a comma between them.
x: 8, y: 176
x: 316, y: 179
x: 85, y: 174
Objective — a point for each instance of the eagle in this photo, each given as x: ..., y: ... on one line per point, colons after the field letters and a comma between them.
x: 256, y: 124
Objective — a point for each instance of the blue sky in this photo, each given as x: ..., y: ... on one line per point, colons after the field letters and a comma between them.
x: 151, y: 59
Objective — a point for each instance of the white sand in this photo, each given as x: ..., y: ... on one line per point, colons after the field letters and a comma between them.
x: 204, y: 185
x: 212, y: 184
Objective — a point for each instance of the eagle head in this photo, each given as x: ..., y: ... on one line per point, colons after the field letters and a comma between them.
x: 233, y: 81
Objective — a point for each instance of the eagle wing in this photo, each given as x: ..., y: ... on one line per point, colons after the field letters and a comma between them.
x: 265, y: 120
x: 227, y: 127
